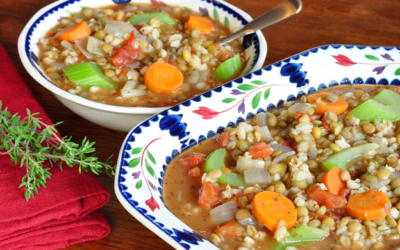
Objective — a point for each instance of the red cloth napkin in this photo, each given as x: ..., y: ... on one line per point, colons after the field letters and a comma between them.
x: 67, y: 211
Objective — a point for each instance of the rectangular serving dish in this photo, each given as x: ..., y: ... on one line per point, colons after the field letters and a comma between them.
x: 150, y: 146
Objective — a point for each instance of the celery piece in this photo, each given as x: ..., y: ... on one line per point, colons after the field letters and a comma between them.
x: 144, y: 18
x: 232, y: 179
x: 87, y: 75
x: 216, y: 160
x: 341, y: 158
x: 300, y: 236
x: 229, y: 68
x: 383, y: 106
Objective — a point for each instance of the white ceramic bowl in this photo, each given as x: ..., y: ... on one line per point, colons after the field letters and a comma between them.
x: 116, y: 117
x: 139, y: 187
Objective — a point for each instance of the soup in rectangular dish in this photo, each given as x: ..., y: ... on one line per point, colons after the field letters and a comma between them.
x: 321, y: 172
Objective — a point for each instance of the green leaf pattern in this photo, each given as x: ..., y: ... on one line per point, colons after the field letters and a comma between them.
x: 215, y: 13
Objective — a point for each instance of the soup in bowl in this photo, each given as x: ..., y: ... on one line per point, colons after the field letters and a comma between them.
x: 124, y: 62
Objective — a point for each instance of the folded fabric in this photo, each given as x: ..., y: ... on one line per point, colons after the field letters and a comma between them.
x: 67, y: 211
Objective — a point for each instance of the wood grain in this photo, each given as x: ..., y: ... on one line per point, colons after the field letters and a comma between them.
x: 361, y: 22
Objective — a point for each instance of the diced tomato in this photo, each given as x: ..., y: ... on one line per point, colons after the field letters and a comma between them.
x: 324, y: 198
x: 171, y: 61
x: 225, y: 56
x: 223, y: 139
x: 231, y: 229
x: 260, y: 150
x: 126, y: 54
x: 285, y: 143
x: 336, y: 213
x: 326, y: 126
x: 210, y: 195
x: 299, y: 114
x: 226, y: 170
x: 123, y: 72
x: 321, y: 217
x: 138, y: 28
x: 249, y: 197
x: 192, y: 161
x: 194, y: 172
x: 345, y: 192
x: 185, y: 17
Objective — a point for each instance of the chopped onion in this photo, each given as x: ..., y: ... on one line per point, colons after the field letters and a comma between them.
x: 224, y: 212
x: 281, y: 147
x: 133, y: 65
x: 129, y: 90
x: 394, y: 175
x: 257, y: 176
x: 312, y: 153
x: 251, y: 220
x: 57, y: 65
x: 282, y: 156
x: 244, y: 164
x: 132, y: 74
x: 94, y: 46
x: 82, y: 45
x: 377, y: 184
x: 119, y: 28
x: 261, y: 119
x: 388, y: 207
x: 382, y: 147
x: 302, y: 107
x: 265, y: 134
x: 67, y: 45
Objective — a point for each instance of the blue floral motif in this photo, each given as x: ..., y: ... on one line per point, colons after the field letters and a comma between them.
x: 175, y: 127
x: 121, y: 1
x: 295, y: 75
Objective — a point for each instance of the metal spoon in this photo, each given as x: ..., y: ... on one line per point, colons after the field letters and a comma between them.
x: 282, y: 11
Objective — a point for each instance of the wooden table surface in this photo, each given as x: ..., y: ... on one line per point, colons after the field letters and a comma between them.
x: 361, y: 22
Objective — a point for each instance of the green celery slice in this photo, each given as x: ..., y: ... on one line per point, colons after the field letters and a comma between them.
x: 229, y: 68
x: 87, y: 75
x: 144, y: 18
x: 300, y: 236
x: 216, y: 160
x: 383, y: 106
x: 343, y: 157
x: 232, y: 179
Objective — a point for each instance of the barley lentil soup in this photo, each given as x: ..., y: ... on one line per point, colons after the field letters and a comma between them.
x: 138, y: 55
x: 322, y: 172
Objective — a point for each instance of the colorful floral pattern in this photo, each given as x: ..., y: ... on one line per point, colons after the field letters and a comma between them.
x: 380, y: 67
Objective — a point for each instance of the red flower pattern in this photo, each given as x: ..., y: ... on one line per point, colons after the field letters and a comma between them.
x: 206, y: 113
x: 343, y: 60
x: 152, y: 203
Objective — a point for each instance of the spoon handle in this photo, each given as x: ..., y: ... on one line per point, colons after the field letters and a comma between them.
x: 282, y: 11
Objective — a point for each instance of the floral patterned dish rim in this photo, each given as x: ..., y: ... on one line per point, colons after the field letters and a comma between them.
x: 229, y: 15
x: 150, y: 146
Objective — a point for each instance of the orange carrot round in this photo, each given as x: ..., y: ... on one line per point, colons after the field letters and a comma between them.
x: 371, y: 205
x: 75, y: 32
x: 162, y: 77
x: 203, y: 24
x: 332, y: 180
x: 270, y: 208
x: 338, y: 107
x: 260, y: 150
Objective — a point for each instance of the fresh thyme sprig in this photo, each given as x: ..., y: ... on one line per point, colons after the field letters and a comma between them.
x: 32, y: 142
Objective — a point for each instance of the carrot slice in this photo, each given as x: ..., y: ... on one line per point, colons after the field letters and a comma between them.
x: 203, y: 24
x: 75, y: 32
x: 332, y: 180
x: 260, y: 150
x: 325, y: 198
x: 231, y: 228
x: 371, y: 205
x: 270, y: 208
x: 162, y: 77
x: 210, y: 195
x: 338, y: 107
